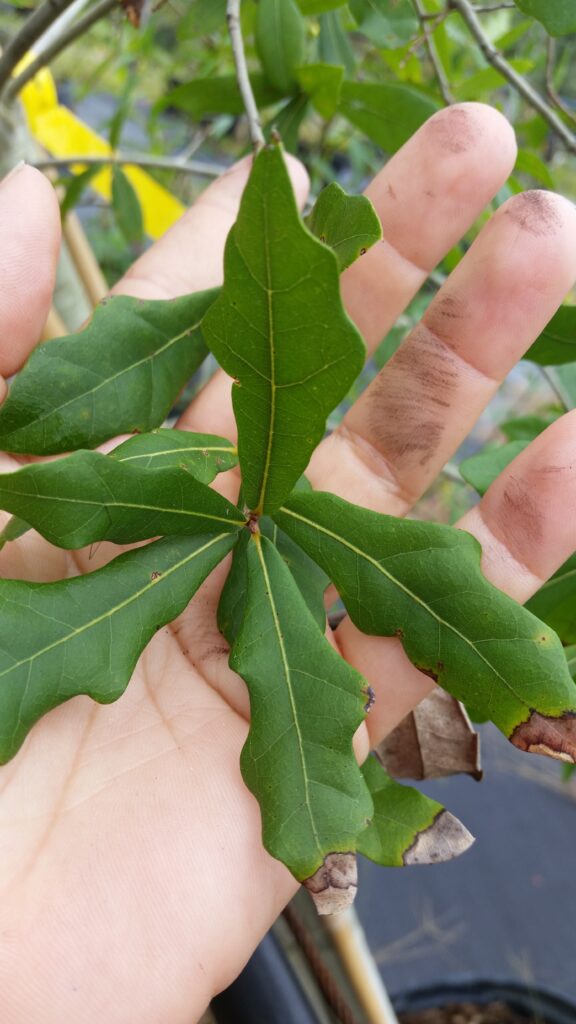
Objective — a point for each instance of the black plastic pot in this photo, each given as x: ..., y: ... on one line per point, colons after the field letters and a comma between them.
x: 537, y: 1002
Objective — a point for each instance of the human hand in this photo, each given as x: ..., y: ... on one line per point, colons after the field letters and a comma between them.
x: 133, y: 880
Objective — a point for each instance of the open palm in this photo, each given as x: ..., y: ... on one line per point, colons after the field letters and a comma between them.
x: 133, y: 881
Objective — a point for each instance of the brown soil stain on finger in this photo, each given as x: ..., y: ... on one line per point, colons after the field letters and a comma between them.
x: 454, y: 130
x: 409, y: 399
x: 542, y: 734
x: 445, y: 317
x: 535, y: 212
x: 520, y: 509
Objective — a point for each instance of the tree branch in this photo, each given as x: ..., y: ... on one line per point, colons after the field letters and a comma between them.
x: 550, y: 87
x: 235, y: 30
x: 435, y: 61
x: 495, y: 58
x: 161, y: 163
x: 61, y: 43
x: 32, y: 29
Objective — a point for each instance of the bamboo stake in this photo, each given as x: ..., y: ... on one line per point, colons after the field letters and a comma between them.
x: 84, y: 260
x: 349, y: 939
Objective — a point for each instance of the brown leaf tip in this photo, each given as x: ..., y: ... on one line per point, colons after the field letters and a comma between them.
x: 444, y: 839
x: 333, y: 886
x: 554, y: 737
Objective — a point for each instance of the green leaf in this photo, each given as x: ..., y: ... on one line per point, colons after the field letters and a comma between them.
x: 202, y: 455
x: 14, y: 528
x: 75, y: 187
x: 570, y: 653
x: 388, y: 23
x: 423, y: 583
x: 217, y: 95
x: 119, y: 374
x: 481, y: 470
x: 526, y: 428
x: 310, y: 578
x: 280, y: 38
x: 309, y: 7
x: 530, y: 163
x: 557, y: 342
x: 201, y: 18
x: 555, y: 602
x: 88, y: 497
x: 407, y: 827
x: 127, y: 209
x: 322, y: 83
x: 348, y: 224
x: 280, y: 330
x: 306, y: 703
x: 85, y: 634
x: 388, y: 114
x: 286, y: 123
x: 557, y: 16
x: 333, y: 43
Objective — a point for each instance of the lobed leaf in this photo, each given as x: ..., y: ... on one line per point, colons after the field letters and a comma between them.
x: 84, y: 635
x: 434, y: 740
x: 407, y: 827
x: 348, y: 224
x: 423, y: 583
x: 279, y: 328
x: 14, y: 528
x: 90, y: 497
x: 557, y: 342
x: 202, y: 455
x: 306, y: 703
x: 119, y: 374
x: 555, y: 602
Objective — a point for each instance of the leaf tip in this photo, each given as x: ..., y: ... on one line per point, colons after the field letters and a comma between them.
x: 443, y: 840
x: 333, y: 886
x: 552, y: 736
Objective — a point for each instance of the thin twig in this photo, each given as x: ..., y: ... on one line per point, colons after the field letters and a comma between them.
x: 495, y: 58
x: 32, y: 29
x: 161, y: 163
x: 550, y: 87
x: 242, y: 76
x: 435, y: 61
x: 61, y: 43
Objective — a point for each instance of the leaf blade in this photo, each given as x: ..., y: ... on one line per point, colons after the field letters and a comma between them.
x: 348, y: 224
x: 83, y: 622
x: 300, y: 734
x: 88, y: 497
x: 404, y: 578
x: 119, y: 374
x: 407, y: 827
x: 202, y: 455
x: 275, y: 273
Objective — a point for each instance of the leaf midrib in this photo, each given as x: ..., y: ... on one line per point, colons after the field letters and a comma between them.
x: 272, y: 425
x: 108, y: 380
x: 409, y: 593
x: 125, y: 504
x: 288, y: 677
x: 110, y: 611
x: 176, y: 451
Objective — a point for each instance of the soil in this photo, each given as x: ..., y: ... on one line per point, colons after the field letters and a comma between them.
x: 469, y: 1013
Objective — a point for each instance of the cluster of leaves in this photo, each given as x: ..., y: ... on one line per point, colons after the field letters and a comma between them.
x: 279, y: 329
